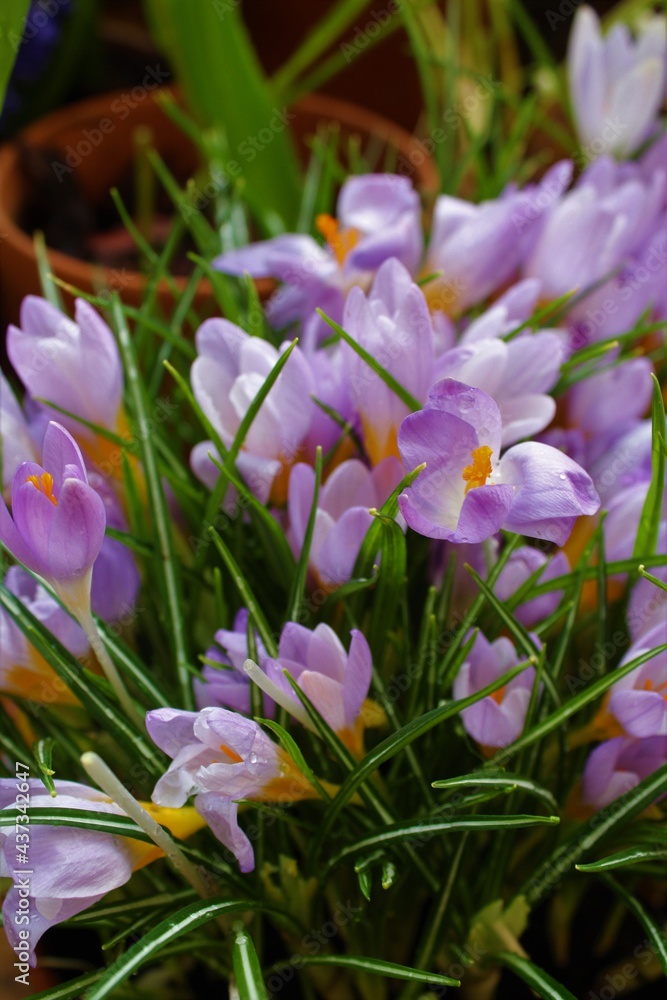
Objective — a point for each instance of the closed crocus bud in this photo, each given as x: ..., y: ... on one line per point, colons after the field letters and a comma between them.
x: 70, y: 869
x: 617, y: 766
x: 228, y: 685
x: 72, y: 363
x: 57, y: 522
x: 617, y: 83
x: 498, y: 719
x: 220, y: 757
x: 17, y: 441
x: 336, y: 682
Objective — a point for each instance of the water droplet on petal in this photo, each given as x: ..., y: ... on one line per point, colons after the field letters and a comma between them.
x: 252, y: 758
x: 562, y: 476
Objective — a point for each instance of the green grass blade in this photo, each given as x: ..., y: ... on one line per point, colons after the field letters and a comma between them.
x: 247, y: 970
x: 168, y: 563
x: 649, y: 522
x: 80, y: 819
x: 388, y: 379
x: 504, y: 779
x: 246, y: 594
x: 654, y: 933
x: 418, y: 832
x: 375, y: 966
x: 540, y: 981
x: 299, y: 584
x: 623, y: 859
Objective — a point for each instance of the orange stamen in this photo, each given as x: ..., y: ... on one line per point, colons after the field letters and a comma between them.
x: 340, y: 240
x: 44, y: 484
x: 476, y: 474
x: 499, y: 695
x: 231, y: 754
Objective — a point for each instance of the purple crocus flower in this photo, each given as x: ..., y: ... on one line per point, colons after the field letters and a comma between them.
x: 379, y: 216
x: 54, y: 357
x: 608, y: 231
x: 220, y: 757
x: 617, y: 84
x: 467, y: 492
x: 336, y: 682
x: 229, y: 371
x: 517, y: 374
x: 228, y: 686
x: 57, y: 523
x: 70, y: 868
x: 23, y: 671
x: 638, y: 701
x: 617, y: 766
x: 498, y: 719
x: 647, y: 607
x: 116, y: 580
x: 522, y: 564
x: 394, y: 326
x: 342, y: 518
x: 17, y: 441
x: 478, y: 248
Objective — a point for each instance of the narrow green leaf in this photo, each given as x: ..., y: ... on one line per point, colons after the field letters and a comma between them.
x: 12, y: 20
x: 375, y: 966
x: 247, y: 970
x: 655, y: 934
x: 183, y: 921
x: 623, y: 859
x: 84, y: 819
x: 389, y: 380
x: 73, y: 989
x: 544, y: 985
x: 43, y: 754
x: 649, y: 522
x: 246, y: 593
x: 501, y: 779
x: 418, y: 832
x: 168, y: 563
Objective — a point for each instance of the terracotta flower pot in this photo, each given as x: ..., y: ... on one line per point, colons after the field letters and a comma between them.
x: 93, y: 141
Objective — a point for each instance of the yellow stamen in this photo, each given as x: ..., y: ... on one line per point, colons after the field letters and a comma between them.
x: 340, y: 240
x: 44, y: 483
x: 476, y: 474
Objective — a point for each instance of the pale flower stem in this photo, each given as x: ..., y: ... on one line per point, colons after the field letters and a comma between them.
x: 104, y: 777
x: 257, y: 675
x: 89, y: 626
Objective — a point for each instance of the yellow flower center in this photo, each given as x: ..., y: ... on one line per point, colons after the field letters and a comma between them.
x: 477, y: 474
x: 340, y: 240
x: 44, y: 484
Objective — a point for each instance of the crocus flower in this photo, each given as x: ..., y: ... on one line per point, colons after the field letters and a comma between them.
x: 342, y: 517
x: 638, y: 701
x: 467, y: 492
x: 116, y: 579
x: 498, y: 719
x: 379, y: 216
x: 70, y: 869
x: 229, y: 371
x: 23, y: 671
x: 220, y: 757
x: 394, y: 326
x: 647, y: 607
x: 72, y: 363
x: 476, y: 249
x: 608, y: 231
x: 517, y: 374
x: 616, y: 83
x: 522, y: 564
x: 17, y: 441
x: 336, y: 682
x: 617, y: 766
x: 228, y: 686
x: 57, y: 523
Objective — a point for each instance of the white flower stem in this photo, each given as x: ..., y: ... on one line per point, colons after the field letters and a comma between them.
x: 89, y: 626
x: 291, y: 705
x: 104, y: 777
